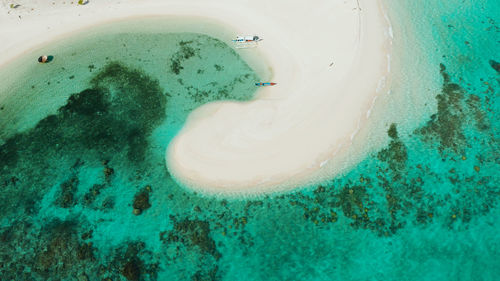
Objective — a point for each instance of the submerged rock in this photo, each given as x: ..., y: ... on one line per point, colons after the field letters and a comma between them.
x: 108, y: 172
x: 196, y: 233
x: 132, y: 270
x: 495, y: 65
x: 59, y: 252
x: 141, y: 201
x: 395, y: 155
x: 133, y: 262
x: 93, y: 193
x: 67, y: 197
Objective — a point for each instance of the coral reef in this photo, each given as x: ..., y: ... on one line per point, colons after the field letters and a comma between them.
x: 141, y: 200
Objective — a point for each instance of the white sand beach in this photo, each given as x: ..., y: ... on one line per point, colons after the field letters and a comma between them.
x: 330, y: 59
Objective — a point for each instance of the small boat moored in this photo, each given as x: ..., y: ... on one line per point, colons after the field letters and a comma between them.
x: 247, y: 38
x: 265, y: 84
x: 247, y: 41
x: 45, y: 59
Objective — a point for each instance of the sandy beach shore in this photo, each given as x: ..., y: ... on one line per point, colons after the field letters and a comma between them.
x: 330, y: 60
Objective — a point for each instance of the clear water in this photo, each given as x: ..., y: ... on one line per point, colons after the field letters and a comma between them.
x: 82, y: 200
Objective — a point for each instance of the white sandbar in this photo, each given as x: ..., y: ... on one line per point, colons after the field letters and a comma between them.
x: 329, y: 58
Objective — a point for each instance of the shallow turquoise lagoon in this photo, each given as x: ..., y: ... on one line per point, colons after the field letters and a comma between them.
x: 85, y: 194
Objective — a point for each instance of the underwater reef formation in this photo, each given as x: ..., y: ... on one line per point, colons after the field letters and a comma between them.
x: 141, y: 200
x: 73, y: 163
x: 400, y: 194
x: 57, y: 251
x: 446, y: 125
x: 185, y: 52
x: 118, y: 113
x: 495, y: 65
x: 68, y: 184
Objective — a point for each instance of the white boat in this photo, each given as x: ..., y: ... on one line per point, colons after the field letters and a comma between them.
x: 247, y: 41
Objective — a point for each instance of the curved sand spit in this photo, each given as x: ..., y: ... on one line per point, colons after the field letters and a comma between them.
x: 329, y: 57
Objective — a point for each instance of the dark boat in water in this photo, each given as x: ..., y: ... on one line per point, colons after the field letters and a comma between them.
x: 45, y: 59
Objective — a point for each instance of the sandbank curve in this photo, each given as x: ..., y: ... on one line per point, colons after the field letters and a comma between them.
x: 329, y: 59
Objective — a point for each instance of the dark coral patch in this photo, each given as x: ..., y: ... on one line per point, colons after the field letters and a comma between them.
x: 141, y: 200
x: 133, y: 262
x: 185, y: 52
x: 67, y: 196
x: 194, y: 233
x: 445, y: 126
x: 117, y: 114
x: 132, y: 269
x: 395, y: 155
x: 59, y: 251
x: 495, y: 65
x: 92, y: 194
x: 393, y: 131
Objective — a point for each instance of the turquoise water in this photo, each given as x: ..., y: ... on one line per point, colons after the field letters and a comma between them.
x: 85, y: 194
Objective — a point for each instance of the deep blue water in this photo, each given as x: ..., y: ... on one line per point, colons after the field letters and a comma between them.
x: 85, y: 194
